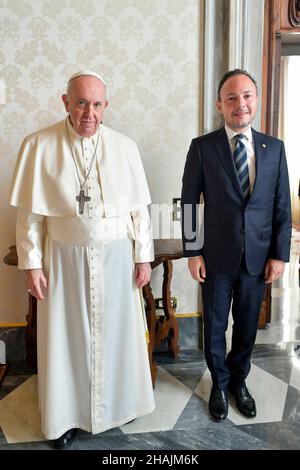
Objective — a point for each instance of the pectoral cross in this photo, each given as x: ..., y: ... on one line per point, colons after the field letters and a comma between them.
x: 82, y: 199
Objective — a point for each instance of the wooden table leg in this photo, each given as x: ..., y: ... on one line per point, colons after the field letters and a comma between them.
x: 170, y: 327
x: 151, y: 321
x: 265, y: 311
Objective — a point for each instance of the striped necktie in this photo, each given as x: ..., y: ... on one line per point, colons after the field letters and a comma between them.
x: 241, y: 164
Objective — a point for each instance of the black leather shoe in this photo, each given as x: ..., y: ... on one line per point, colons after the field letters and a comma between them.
x: 245, y: 403
x: 65, y: 440
x: 218, y: 403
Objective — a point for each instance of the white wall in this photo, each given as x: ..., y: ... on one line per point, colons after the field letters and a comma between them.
x: 148, y: 52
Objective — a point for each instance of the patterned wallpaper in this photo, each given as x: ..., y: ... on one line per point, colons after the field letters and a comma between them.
x: 148, y: 53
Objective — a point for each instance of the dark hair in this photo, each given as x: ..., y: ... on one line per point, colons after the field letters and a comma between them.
x: 231, y: 73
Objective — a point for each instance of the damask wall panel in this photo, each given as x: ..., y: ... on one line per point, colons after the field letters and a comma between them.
x: 148, y: 52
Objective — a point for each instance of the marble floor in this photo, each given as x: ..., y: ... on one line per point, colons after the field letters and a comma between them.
x: 181, y: 420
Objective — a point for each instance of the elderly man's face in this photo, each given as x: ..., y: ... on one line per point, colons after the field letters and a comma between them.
x: 85, y: 103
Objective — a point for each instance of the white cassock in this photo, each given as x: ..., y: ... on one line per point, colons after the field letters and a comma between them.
x: 93, y: 368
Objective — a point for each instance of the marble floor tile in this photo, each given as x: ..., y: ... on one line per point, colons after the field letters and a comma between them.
x: 214, y: 438
x: 2, y: 438
x: 196, y: 416
x: 204, y: 386
x: 278, y: 333
x: 189, y: 374
x: 185, y: 356
x: 177, y: 439
x: 269, y: 393
x: 281, y: 435
x: 171, y: 397
x: 27, y: 446
x: 270, y: 406
x: 292, y: 407
x: 280, y: 367
x: 19, y: 415
x: 11, y: 382
x: 287, y: 349
x: 295, y: 374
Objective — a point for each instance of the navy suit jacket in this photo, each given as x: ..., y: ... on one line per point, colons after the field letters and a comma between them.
x: 260, y: 227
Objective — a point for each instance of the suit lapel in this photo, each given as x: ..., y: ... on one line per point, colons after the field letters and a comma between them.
x: 223, y: 149
x: 260, y: 149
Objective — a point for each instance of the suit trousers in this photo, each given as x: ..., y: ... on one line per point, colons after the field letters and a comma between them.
x: 246, y: 292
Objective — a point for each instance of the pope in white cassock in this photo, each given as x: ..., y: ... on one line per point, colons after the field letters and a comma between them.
x: 84, y: 241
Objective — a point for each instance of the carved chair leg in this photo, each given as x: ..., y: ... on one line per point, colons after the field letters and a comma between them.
x: 171, y: 325
x: 151, y: 321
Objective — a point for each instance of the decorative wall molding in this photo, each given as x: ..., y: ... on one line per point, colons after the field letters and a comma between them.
x: 237, y: 29
x: 245, y: 47
x: 294, y: 12
x: 233, y: 39
x: 215, y: 59
x: 282, y: 17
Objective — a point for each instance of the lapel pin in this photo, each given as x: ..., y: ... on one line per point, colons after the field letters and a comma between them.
x: 263, y: 146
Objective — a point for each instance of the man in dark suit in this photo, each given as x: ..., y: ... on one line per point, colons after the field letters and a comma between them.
x: 243, y: 177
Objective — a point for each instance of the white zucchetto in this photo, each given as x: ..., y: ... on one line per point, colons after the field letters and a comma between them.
x: 87, y: 72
